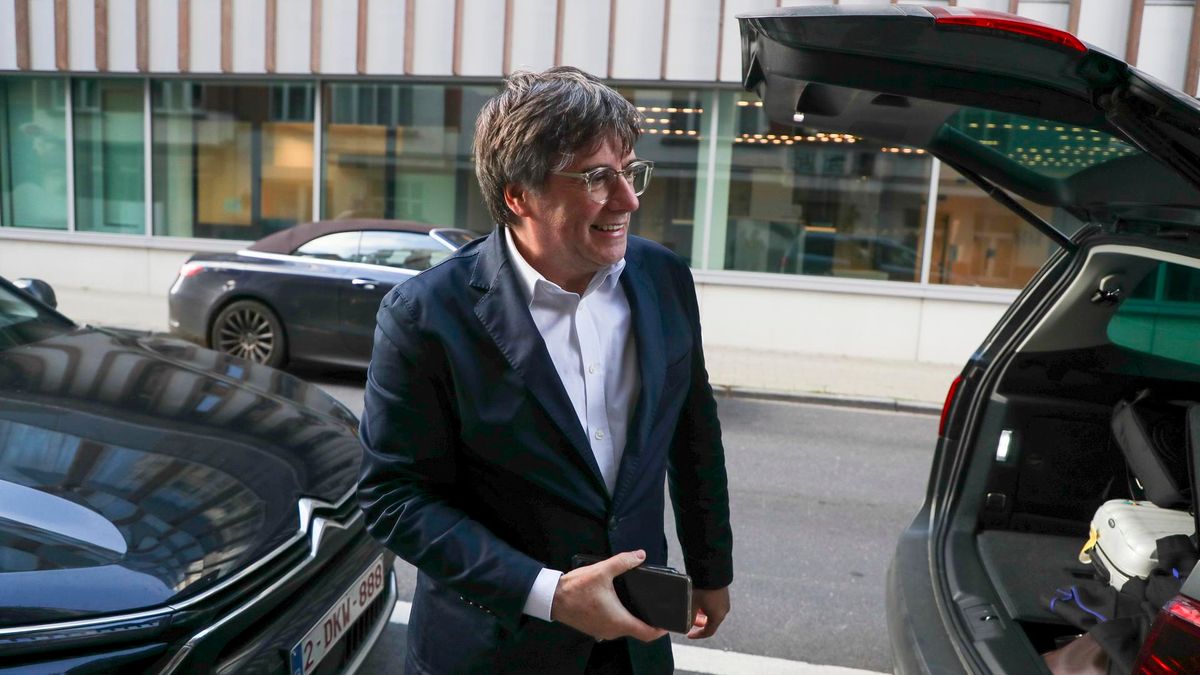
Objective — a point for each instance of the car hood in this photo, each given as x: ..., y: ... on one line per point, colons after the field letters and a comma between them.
x: 137, y: 470
x: 1021, y: 105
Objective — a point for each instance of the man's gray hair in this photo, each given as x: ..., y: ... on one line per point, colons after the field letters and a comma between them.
x: 536, y: 125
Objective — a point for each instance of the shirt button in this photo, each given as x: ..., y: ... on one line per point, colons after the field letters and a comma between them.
x: 592, y: 369
x: 599, y: 434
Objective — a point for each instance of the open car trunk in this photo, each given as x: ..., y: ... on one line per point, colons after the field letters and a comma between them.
x: 1026, y: 453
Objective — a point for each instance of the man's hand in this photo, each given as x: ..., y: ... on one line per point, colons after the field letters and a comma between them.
x: 711, y: 608
x: 586, y: 601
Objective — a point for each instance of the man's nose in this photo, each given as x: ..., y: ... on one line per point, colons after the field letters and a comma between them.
x: 621, y: 196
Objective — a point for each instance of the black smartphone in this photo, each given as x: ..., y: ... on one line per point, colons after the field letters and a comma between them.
x: 660, y: 596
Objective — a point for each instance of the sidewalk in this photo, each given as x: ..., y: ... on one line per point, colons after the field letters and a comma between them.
x: 839, y: 380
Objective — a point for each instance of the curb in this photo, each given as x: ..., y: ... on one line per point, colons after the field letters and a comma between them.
x: 839, y: 400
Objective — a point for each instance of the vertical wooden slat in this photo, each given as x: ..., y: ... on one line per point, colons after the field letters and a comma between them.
x: 1134, y: 40
x: 612, y: 34
x: 559, y: 11
x: 361, y: 55
x: 1193, y: 58
x: 1013, y: 6
x: 272, y: 27
x: 185, y: 36
x: 1073, y: 16
x: 410, y: 32
x: 143, y: 35
x: 506, y: 59
x: 720, y: 39
x: 456, y: 63
x: 21, y: 19
x: 62, y: 36
x: 101, y: 35
x: 666, y: 34
x: 226, y: 36
x: 314, y: 52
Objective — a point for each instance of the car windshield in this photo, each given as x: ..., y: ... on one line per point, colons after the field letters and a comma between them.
x: 23, y: 322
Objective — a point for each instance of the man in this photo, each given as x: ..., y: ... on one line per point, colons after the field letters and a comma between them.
x: 526, y: 398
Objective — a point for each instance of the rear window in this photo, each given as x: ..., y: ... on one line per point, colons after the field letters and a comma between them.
x: 1050, y: 149
x: 1161, y: 317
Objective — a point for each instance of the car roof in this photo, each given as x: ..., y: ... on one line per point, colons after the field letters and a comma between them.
x: 286, y: 241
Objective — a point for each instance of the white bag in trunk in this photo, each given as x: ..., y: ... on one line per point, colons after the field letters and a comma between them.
x: 1124, y: 534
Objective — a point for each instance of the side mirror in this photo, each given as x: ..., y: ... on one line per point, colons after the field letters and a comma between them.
x: 38, y: 290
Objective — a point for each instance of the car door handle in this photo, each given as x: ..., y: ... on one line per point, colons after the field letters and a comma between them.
x: 365, y: 284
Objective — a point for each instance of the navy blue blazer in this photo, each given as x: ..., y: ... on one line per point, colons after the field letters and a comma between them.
x: 476, y: 469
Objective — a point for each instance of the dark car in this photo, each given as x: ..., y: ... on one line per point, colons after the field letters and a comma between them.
x: 1088, y: 390
x: 168, y: 509
x: 307, y: 293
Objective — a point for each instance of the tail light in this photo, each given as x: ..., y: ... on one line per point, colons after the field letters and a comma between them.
x: 1005, y: 23
x: 949, y: 402
x: 190, y: 269
x: 1173, y: 646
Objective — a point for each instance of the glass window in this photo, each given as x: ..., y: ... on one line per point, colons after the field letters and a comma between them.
x: 231, y: 161
x: 1161, y: 317
x: 109, y: 163
x: 979, y: 242
x: 808, y: 202
x: 33, y: 153
x: 673, y: 122
x: 407, y: 250
x: 337, y: 246
x: 403, y: 151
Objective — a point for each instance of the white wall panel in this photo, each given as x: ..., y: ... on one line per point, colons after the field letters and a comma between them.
x: 585, y: 35
x: 8, y: 35
x: 997, y: 5
x: 637, y: 40
x: 41, y: 35
x: 692, y: 41
x: 482, y: 50
x: 122, y: 35
x: 250, y: 36
x: 433, y: 37
x: 951, y: 331
x: 293, y: 36
x: 1053, y: 13
x: 1164, y: 44
x: 164, y: 36
x: 205, y: 36
x: 731, y: 38
x: 385, y: 37
x: 339, y: 36
x: 1105, y: 24
x: 81, y: 27
x: 533, y: 26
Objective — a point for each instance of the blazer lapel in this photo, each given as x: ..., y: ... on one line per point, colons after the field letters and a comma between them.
x: 505, y: 315
x: 647, y: 330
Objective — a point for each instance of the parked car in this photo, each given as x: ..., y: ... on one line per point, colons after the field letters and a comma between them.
x: 168, y: 509
x: 307, y: 293
x: 1026, y: 451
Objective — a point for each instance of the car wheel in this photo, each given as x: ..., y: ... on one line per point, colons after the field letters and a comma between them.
x: 250, y: 330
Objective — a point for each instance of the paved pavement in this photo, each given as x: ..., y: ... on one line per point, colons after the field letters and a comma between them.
x: 897, y: 385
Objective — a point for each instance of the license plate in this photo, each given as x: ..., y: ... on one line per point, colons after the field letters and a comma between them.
x: 322, y: 637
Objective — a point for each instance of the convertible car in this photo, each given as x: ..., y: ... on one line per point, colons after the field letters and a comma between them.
x: 1087, y: 393
x: 168, y: 509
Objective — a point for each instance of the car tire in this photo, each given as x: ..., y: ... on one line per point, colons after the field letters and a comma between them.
x: 249, y: 329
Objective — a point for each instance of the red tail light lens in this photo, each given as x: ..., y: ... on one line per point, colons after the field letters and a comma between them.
x: 946, y: 406
x: 1173, y: 646
x: 1007, y: 23
x: 190, y: 269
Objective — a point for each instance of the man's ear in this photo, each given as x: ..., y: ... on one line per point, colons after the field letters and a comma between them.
x: 516, y: 198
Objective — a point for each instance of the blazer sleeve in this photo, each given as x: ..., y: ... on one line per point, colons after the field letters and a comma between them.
x: 696, y: 469
x: 406, y: 489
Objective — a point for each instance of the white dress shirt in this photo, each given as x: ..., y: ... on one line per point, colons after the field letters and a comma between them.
x: 590, y: 340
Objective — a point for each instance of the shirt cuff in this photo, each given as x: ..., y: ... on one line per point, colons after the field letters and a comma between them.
x: 541, y: 596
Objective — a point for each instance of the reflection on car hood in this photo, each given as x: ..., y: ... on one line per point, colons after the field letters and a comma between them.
x: 138, y: 470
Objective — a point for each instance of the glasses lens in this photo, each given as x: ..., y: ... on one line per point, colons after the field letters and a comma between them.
x: 639, y: 177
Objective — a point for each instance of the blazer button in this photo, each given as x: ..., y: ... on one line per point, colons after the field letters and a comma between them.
x: 612, y: 523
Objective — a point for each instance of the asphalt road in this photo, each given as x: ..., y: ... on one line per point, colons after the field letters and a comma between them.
x: 819, y: 496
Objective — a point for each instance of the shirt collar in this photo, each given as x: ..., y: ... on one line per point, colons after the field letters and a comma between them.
x: 530, y: 279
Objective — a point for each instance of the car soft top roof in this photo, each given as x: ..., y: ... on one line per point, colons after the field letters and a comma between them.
x: 286, y: 241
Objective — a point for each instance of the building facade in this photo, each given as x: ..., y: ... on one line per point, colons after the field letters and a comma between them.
x: 135, y: 132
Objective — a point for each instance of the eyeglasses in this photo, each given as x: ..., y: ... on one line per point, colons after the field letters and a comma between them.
x: 601, y: 182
